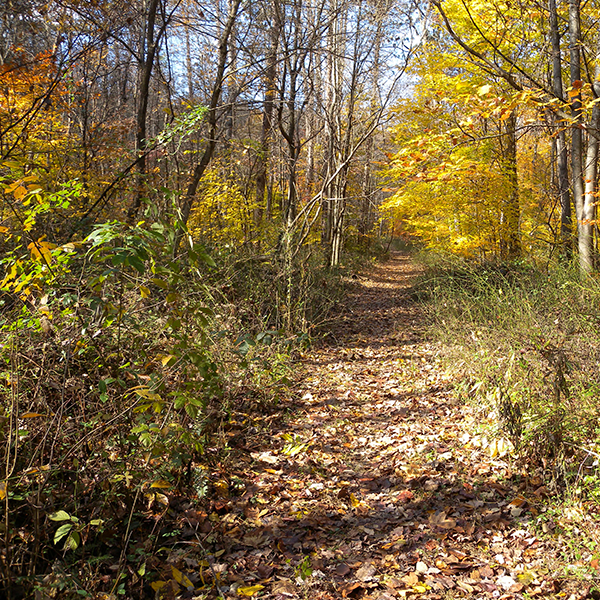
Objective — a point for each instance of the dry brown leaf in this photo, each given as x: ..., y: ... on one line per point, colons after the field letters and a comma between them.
x: 348, y: 588
x: 410, y: 579
x: 284, y: 587
x: 366, y: 573
x: 342, y: 569
x: 442, y: 521
x: 486, y: 572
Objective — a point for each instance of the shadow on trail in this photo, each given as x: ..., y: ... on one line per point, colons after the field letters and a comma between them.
x: 355, y: 522
x: 364, y: 487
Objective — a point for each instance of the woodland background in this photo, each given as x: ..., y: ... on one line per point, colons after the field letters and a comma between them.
x: 185, y: 186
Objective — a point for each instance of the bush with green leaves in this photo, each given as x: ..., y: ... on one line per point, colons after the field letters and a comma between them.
x: 120, y: 362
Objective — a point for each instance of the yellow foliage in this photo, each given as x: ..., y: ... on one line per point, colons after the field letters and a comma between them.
x: 450, y: 172
x: 32, y: 125
x: 222, y: 213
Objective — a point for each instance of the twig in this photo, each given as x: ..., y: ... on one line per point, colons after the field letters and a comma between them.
x: 208, y: 560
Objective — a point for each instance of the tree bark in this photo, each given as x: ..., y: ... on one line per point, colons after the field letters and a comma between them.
x: 566, y: 220
x: 588, y: 217
x: 146, y: 58
x: 584, y: 240
x: 265, y: 204
x: 510, y: 243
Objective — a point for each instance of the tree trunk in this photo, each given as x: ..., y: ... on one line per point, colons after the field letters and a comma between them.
x: 588, y: 217
x: 577, y: 135
x: 267, y: 130
x: 566, y: 220
x: 147, y: 56
x: 511, y: 211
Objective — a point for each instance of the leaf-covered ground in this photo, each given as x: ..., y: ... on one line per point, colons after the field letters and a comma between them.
x: 373, y: 483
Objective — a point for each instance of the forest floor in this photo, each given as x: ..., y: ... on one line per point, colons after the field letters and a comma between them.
x: 372, y: 482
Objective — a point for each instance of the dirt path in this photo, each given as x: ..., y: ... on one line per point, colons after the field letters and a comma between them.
x: 372, y: 487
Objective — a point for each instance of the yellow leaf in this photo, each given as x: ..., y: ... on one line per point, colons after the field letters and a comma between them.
x: 354, y: 501
x: 2, y: 490
x: 182, y: 579
x: 31, y: 415
x: 222, y: 488
x: 162, y: 499
x: 20, y: 193
x: 41, y: 251
x: 526, y: 577
x: 158, y: 585
x: 165, y: 360
x: 161, y: 483
x: 251, y: 590
x: 484, y: 89
x: 144, y: 291
x: 420, y: 589
x: 46, y: 311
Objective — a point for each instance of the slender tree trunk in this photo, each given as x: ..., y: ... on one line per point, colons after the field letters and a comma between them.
x: 267, y: 130
x: 511, y: 211
x: 147, y: 56
x: 566, y: 220
x: 188, y: 63
x: 588, y: 217
x: 577, y: 135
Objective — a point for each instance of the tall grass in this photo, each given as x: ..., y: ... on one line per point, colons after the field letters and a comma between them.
x: 526, y: 341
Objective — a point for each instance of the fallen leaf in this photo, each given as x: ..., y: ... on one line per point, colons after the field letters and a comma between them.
x: 442, y: 521
x: 250, y: 590
x: 285, y: 587
x: 366, y: 573
x: 348, y: 588
x: 526, y: 577
x: 517, y: 502
x: 158, y: 585
x: 394, y: 583
x: 266, y: 457
x: 506, y: 582
x: 182, y: 579
x: 222, y: 488
x: 411, y: 579
x: 342, y: 569
x: 486, y: 572
x: 421, y: 567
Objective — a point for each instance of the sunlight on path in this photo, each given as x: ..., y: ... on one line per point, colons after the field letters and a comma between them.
x: 372, y: 488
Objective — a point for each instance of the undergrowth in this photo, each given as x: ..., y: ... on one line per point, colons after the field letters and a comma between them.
x: 128, y: 379
x: 524, y: 344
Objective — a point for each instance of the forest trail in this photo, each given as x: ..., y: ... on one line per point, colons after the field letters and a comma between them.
x: 371, y: 487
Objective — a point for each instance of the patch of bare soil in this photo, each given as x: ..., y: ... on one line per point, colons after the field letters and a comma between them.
x: 374, y: 486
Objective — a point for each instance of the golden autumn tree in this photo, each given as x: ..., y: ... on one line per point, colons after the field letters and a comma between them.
x: 473, y: 170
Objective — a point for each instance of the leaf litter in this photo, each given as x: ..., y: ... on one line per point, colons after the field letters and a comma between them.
x: 369, y: 484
